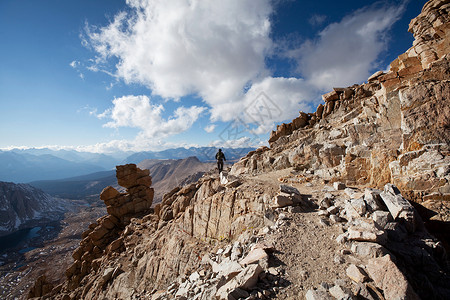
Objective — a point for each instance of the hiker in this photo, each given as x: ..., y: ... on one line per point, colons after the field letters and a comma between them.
x: 220, y: 158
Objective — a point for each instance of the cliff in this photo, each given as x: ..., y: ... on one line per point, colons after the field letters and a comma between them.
x: 338, y: 226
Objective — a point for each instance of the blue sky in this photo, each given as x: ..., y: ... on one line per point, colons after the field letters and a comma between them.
x: 107, y: 75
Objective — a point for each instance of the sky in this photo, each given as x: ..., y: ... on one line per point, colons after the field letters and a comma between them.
x: 139, y: 75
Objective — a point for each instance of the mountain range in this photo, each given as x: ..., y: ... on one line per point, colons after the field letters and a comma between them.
x: 22, y: 166
x: 204, y: 154
x: 166, y: 174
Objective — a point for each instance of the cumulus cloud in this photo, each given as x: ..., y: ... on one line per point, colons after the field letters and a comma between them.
x: 346, y: 52
x: 138, y: 112
x: 177, y: 48
x: 218, y: 51
x: 275, y: 99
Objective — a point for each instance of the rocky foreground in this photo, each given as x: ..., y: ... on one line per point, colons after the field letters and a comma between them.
x: 339, y: 207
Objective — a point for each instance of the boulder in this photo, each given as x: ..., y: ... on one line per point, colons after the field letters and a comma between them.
x: 246, y: 279
x: 318, y: 294
x: 331, y: 96
x: 389, y: 278
x: 381, y: 218
x: 338, y: 186
x: 255, y: 256
x: 340, y: 293
x: 365, y: 235
x: 369, y: 250
x: 228, y: 268
x: 109, y: 193
x: 356, y: 274
x: 289, y: 189
x: 399, y: 207
x: 282, y: 200
x: 372, y: 199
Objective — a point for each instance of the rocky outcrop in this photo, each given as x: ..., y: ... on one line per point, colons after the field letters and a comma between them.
x: 106, y: 237
x: 392, y: 129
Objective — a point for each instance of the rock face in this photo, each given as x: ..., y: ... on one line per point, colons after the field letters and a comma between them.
x: 23, y: 206
x: 392, y: 129
x: 105, y: 237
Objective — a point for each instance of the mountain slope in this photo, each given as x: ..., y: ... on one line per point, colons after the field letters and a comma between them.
x: 23, y: 206
x: 169, y: 174
x: 27, y: 167
x: 166, y: 175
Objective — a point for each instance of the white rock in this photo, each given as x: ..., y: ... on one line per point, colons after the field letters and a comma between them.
x: 246, y: 279
x: 372, y: 199
x: 229, y: 269
x: 381, y: 218
x: 369, y: 250
x: 333, y: 209
x: 339, y: 293
x: 254, y: 256
x: 363, y: 235
x: 398, y: 206
x: 323, y: 213
x: 194, y: 277
x: 359, y: 205
x: 281, y: 201
x: 339, y: 186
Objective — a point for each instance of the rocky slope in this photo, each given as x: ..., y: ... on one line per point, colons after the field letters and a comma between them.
x: 170, y: 173
x: 339, y: 226
x: 392, y: 129
x: 23, y: 206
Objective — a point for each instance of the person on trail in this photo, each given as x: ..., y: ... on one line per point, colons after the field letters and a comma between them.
x: 220, y: 158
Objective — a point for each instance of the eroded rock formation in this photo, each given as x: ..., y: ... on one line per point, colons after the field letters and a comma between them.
x: 393, y: 129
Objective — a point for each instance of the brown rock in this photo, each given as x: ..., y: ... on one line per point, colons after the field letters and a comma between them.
x: 356, y: 274
x: 331, y: 96
x: 254, y: 256
x: 388, y: 278
x: 319, y: 111
x: 109, y: 193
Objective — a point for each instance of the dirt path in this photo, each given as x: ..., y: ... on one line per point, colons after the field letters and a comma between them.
x: 306, y: 249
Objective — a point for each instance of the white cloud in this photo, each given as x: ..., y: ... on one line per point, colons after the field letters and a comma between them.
x: 243, y: 142
x: 275, y: 100
x: 178, y: 48
x: 218, y: 51
x: 138, y: 112
x: 210, y: 128
x: 74, y: 64
x: 346, y: 52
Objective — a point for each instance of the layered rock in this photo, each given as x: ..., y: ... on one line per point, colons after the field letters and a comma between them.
x: 106, y: 236
x: 392, y: 129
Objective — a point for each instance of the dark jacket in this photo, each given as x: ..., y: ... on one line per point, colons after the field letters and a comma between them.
x: 220, y: 156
